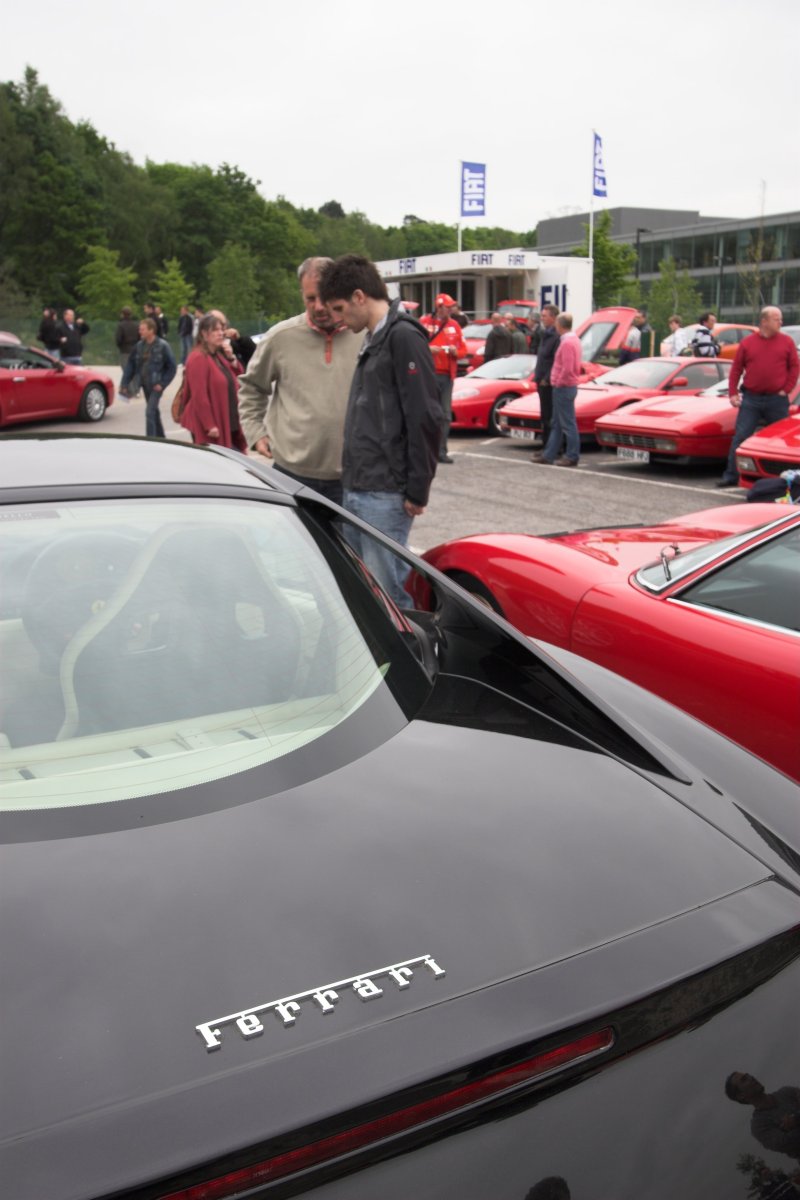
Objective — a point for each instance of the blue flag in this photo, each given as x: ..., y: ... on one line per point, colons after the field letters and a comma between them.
x: 473, y: 189
x: 599, y: 186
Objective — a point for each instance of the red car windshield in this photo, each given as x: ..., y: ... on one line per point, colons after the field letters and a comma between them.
x: 644, y: 373
x: 513, y: 366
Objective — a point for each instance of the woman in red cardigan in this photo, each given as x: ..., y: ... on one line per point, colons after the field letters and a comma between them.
x: 211, y: 407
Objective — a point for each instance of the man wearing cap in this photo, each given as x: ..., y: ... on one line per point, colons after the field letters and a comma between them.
x: 447, y: 346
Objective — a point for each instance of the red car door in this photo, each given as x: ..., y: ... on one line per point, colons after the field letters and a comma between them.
x: 32, y: 386
x: 724, y: 647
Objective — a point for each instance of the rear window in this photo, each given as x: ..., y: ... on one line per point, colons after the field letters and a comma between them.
x: 153, y: 645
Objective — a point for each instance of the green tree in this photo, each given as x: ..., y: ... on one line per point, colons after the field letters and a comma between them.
x: 170, y: 288
x: 613, y: 263
x: 673, y: 292
x: 105, y: 286
x: 232, y: 282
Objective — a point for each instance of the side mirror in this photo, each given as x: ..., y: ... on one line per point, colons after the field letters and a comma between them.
x: 681, y: 381
x: 59, y: 365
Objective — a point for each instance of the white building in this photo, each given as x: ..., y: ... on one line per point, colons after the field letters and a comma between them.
x: 480, y: 279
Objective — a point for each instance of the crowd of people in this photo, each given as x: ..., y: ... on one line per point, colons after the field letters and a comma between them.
x: 352, y: 397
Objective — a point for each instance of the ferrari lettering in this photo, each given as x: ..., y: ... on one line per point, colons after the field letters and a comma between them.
x: 289, y: 1008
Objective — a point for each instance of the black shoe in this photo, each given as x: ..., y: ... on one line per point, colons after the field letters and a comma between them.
x: 540, y: 458
x: 446, y: 459
x: 727, y: 483
x: 566, y: 462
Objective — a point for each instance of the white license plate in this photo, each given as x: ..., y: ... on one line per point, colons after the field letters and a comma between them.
x: 525, y: 435
x: 633, y: 455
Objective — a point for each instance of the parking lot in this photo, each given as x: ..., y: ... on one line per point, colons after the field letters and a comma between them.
x: 493, y: 485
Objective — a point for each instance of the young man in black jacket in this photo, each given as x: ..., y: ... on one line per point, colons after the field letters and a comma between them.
x: 393, y: 423
x: 548, y: 344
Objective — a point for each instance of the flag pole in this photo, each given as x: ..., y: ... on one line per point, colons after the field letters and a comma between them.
x: 591, y: 203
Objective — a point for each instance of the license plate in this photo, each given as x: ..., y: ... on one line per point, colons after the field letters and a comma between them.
x: 627, y: 455
x: 525, y: 435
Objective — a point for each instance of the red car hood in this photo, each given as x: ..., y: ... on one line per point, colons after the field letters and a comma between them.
x: 684, y: 412
x: 618, y: 551
x: 781, y: 439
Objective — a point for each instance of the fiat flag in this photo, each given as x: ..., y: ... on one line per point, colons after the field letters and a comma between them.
x: 473, y: 189
x: 599, y: 187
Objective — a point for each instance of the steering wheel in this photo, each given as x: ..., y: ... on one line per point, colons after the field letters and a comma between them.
x: 68, y: 583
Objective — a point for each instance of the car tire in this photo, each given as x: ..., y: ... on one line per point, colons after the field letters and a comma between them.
x: 499, y: 403
x: 94, y: 403
x: 476, y: 589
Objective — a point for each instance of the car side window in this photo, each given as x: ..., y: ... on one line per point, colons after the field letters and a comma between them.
x: 761, y: 585
x: 701, y: 375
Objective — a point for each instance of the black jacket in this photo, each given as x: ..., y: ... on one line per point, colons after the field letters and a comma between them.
x: 185, y: 325
x: 48, y: 334
x: 72, y: 338
x: 126, y: 335
x: 393, y: 425
x: 499, y: 343
x: 546, y: 354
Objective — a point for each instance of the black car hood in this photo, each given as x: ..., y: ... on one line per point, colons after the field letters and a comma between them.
x: 493, y: 854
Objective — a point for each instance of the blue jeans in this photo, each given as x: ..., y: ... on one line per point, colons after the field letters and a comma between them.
x: 384, y: 510
x: 755, y: 410
x: 564, y: 425
x: 186, y: 346
x: 153, y: 426
x: 72, y: 360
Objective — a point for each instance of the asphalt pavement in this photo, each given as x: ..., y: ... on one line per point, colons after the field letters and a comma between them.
x: 492, y: 485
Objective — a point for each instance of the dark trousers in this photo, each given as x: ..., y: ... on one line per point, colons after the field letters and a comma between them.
x: 546, y: 409
x: 444, y: 386
x: 755, y: 410
x: 330, y: 488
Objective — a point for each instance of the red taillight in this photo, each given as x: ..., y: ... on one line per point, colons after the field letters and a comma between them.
x: 339, y: 1144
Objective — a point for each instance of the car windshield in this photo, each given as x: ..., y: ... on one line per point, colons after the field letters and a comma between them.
x: 154, y: 645
x: 514, y: 366
x: 645, y: 373
x: 518, y: 310
x: 676, y: 565
x: 594, y: 338
x: 476, y: 331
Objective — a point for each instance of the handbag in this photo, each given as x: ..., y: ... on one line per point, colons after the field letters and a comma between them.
x: 180, y: 400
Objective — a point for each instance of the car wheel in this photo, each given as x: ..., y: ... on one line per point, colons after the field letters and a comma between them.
x: 476, y: 589
x: 499, y: 403
x: 94, y: 403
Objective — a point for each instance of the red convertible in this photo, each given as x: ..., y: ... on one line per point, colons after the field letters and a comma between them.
x: 643, y: 379
x: 701, y: 610
x: 36, y: 387
x: 685, y: 426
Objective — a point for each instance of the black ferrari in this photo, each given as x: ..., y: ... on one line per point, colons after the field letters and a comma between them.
x: 304, y: 894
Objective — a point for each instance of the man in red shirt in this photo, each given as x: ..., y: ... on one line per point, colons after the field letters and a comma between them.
x: 447, y: 346
x: 565, y: 376
x: 770, y: 366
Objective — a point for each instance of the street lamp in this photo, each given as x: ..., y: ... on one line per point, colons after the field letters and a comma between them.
x: 640, y: 229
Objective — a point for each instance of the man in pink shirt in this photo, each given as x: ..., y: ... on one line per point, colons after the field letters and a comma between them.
x: 564, y: 377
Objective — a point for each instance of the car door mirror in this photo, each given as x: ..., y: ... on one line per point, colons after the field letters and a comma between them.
x: 59, y: 365
x: 681, y: 381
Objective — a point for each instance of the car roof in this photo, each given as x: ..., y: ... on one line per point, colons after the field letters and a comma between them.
x: 68, y: 460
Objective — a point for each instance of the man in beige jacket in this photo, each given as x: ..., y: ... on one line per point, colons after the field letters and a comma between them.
x: 293, y: 396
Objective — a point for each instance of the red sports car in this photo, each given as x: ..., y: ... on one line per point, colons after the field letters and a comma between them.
x: 475, y: 335
x: 701, y: 610
x: 478, y: 396
x: 639, y: 380
x: 36, y: 387
x: 771, y: 450
x: 686, y: 426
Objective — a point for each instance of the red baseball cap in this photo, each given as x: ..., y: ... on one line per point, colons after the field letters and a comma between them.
x: 443, y: 298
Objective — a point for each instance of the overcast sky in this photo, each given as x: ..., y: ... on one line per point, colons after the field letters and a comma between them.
x: 374, y: 105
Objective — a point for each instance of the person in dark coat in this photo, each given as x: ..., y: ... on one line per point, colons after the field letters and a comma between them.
x: 153, y: 364
x: 126, y: 335
x: 48, y: 333
x: 71, y: 333
x: 499, y: 343
x: 546, y: 352
x: 211, y: 406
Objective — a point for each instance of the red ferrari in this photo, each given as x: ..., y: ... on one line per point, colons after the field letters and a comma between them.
x: 479, y: 396
x: 701, y: 610
x: 641, y: 380
x: 771, y: 450
x: 36, y: 387
x: 685, y: 426
x: 475, y: 335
